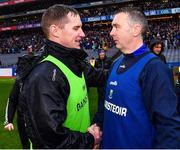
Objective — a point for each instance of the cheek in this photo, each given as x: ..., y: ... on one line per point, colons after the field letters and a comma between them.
x: 70, y: 35
x: 119, y: 35
x: 122, y: 33
x: 157, y: 49
x: 74, y: 37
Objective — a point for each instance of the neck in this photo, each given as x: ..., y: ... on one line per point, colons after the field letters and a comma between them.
x: 135, y: 44
x: 54, y: 39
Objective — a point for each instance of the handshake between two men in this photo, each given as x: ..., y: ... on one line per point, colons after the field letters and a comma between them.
x: 97, y: 133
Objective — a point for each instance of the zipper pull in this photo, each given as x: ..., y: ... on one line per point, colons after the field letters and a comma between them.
x: 54, y: 75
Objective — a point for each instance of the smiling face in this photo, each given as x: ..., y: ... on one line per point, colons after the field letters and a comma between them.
x: 121, y: 31
x: 70, y: 34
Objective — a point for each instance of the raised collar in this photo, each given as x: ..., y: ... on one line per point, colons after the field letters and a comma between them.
x: 60, y: 50
x: 143, y: 49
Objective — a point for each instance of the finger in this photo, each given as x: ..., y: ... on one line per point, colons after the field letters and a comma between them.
x: 96, y: 146
x: 12, y: 127
x: 90, y: 130
x: 97, y: 132
x: 100, y: 133
x: 6, y: 127
x: 93, y: 126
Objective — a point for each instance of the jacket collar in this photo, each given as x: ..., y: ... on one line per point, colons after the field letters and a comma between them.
x: 141, y: 50
x: 55, y: 48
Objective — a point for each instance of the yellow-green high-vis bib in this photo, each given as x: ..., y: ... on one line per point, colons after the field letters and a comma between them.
x: 78, y: 118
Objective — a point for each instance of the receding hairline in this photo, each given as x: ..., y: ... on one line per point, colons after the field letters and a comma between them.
x: 135, y: 15
x: 116, y: 23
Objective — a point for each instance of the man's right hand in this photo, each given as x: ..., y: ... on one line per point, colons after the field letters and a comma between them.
x: 95, y: 131
x: 9, y: 127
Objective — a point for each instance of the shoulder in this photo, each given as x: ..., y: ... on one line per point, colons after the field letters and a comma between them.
x: 46, y: 71
x: 156, y: 65
x: 155, y: 70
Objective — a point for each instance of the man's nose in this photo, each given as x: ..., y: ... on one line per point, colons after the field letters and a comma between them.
x: 82, y: 34
x: 112, y: 32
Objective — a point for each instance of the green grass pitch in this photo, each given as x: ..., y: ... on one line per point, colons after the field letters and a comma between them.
x: 10, y: 140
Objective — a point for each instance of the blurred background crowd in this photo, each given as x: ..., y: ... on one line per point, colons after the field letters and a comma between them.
x: 21, y: 32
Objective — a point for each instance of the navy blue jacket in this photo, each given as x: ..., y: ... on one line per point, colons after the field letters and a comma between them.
x: 159, y: 98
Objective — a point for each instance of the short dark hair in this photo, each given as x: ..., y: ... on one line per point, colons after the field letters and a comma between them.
x: 135, y: 15
x: 156, y: 42
x: 56, y: 14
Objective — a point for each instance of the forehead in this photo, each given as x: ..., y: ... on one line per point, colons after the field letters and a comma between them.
x: 102, y: 53
x: 73, y: 19
x: 158, y: 45
x: 119, y: 18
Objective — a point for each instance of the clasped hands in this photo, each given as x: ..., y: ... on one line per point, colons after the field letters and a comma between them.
x: 97, y: 133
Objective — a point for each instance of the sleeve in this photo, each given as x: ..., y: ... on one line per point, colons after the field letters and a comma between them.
x: 177, y: 90
x: 161, y: 103
x: 94, y: 77
x: 99, y: 116
x: 12, y: 103
x: 48, y: 97
x: 97, y: 78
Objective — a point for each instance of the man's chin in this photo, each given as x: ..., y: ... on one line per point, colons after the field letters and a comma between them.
x: 117, y: 46
x: 78, y: 47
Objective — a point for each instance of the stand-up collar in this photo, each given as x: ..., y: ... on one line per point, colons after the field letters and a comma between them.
x: 143, y: 49
x: 53, y: 47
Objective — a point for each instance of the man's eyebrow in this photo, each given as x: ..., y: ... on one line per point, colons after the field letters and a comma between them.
x: 77, y: 26
x: 115, y: 25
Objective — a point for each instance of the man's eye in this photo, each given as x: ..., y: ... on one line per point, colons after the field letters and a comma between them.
x: 76, y: 28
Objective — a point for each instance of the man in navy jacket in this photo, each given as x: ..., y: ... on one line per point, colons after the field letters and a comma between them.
x: 140, y: 109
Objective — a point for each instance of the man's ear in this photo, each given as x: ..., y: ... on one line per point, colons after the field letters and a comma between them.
x: 54, y: 30
x: 137, y: 28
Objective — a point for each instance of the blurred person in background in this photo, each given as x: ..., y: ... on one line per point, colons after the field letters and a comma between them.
x: 140, y: 109
x: 11, y: 108
x: 157, y: 47
x: 102, y: 62
x: 54, y: 96
x: 24, y: 65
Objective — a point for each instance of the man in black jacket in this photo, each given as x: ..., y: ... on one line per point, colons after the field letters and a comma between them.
x: 24, y: 65
x: 53, y: 98
x: 11, y: 108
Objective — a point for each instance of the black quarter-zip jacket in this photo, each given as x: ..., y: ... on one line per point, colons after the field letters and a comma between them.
x: 44, y: 97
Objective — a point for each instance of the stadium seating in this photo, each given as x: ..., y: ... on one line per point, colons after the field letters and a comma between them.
x: 20, y: 29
